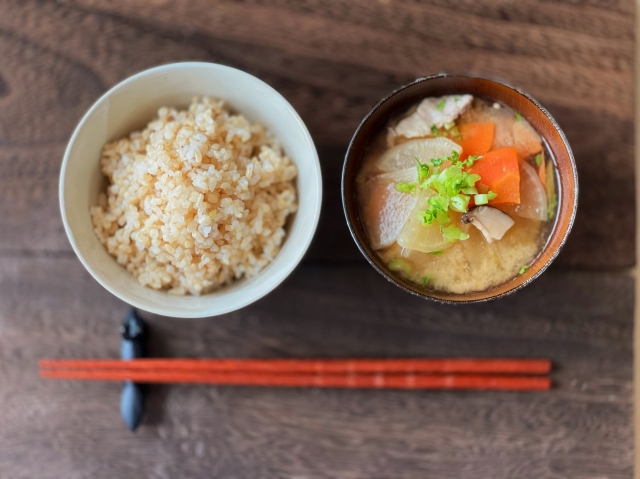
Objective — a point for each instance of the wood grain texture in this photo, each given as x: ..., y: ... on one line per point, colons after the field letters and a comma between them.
x: 332, y: 61
x: 582, y: 428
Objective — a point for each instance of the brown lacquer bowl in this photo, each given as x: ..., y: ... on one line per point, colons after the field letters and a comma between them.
x: 400, y: 101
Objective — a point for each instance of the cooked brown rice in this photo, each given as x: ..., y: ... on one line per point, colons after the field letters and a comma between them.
x: 196, y: 199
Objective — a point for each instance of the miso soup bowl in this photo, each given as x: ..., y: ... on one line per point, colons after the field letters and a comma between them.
x: 129, y: 106
x: 399, y: 102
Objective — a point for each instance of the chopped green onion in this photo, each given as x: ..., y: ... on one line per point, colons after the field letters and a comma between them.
x: 553, y: 204
x: 435, y: 253
x: 451, y: 180
x: 456, y: 99
x: 460, y: 203
x: 453, y: 233
x: 472, y: 179
x: 399, y: 265
x: 451, y: 187
x: 423, y: 170
x: 455, y: 132
x: 518, y: 116
x: 427, y: 217
x: 425, y: 280
x: 538, y: 159
x: 427, y: 183
x: 552, y: 197
x: 406, y: 187
x: 438, y: 210
x: 441, y: 105
x: 524, y: 268
x: 481, y: 199
x: 437, y: 161
x: 471, y: 160
x: 443, y: 218
x: 439, y: 202
x: 448, y: 126
x: 435, y: 131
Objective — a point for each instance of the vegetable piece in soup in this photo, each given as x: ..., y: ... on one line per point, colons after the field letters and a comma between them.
x: 385, y: 209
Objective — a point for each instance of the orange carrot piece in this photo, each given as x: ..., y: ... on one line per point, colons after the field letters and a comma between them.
x: 499, y: 173
x: 476, y: 138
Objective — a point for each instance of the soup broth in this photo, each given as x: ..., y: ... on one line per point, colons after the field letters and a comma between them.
x: 427, y: 201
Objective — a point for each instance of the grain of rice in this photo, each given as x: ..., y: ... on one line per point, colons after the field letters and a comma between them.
x: 196, y: 200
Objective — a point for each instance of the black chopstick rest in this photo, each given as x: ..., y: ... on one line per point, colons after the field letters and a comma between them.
x: 132, y: 332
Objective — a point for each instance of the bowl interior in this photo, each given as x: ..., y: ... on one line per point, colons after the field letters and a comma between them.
x: 401, y: 100
x: 130, y: 106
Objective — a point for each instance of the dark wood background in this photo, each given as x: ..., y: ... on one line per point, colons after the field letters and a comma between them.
x: 332, y: 59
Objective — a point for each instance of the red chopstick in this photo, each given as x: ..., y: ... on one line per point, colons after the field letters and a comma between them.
x: 497, y: 374
x: 366, y: 381
x: 325, y: 366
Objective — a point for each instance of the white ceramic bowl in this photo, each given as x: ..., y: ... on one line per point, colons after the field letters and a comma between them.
x: 130, y: 105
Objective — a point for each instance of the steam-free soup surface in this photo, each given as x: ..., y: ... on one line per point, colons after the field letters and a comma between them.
x: 485, y: 238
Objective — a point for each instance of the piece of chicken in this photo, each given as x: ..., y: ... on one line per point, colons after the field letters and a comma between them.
x: 432, y: 111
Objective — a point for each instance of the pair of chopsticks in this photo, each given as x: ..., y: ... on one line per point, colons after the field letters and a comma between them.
x: 475, y: 374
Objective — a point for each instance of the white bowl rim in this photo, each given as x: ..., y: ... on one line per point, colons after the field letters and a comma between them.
x: 279, y: 275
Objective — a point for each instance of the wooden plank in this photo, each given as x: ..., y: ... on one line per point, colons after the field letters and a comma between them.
x: 636, y: 336
x: 581, y: 429
x: 333, y: 61
x: 29, y: 211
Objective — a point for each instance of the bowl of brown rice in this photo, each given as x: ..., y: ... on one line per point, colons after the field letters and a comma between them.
x: 190, y: 190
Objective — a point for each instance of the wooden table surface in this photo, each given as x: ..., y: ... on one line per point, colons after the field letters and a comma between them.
x: 332, y: 59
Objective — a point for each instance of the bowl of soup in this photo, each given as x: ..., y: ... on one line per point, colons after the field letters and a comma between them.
x: 459, y: 189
